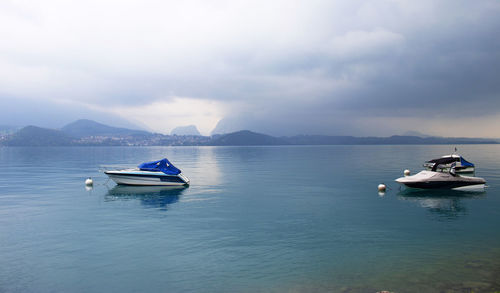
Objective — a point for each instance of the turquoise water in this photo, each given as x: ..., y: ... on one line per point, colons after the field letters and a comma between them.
x: 255, y: 219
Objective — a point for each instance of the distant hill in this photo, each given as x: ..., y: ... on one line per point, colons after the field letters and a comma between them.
x: 86, y: 128
x: 185, y: 130
x: 322, y: 140
x: 415, y: 133
x: 246, y: 137
x: 37, y: 136
x: 395, y: 139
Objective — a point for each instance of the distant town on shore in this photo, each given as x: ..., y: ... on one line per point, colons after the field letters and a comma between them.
x: 90, y: 133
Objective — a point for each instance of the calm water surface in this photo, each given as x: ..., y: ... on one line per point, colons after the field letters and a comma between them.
x: 255, y: 219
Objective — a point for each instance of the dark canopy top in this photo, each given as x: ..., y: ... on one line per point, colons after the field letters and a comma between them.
x: 160, y: 166
x: 449, y: 160
x: 445, y: 160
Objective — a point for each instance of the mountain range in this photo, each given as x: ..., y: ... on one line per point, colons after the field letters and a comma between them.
x: 84, y: 127
x: 36, y: 136
x: 90, y: 133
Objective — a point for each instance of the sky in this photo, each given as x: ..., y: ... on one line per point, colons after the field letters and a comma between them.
x: 276, y: 67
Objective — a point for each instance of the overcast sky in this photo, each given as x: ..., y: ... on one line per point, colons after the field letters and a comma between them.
x: 277, y: 67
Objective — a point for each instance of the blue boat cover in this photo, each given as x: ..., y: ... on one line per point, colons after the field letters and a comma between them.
x: 160, y: 166
x: 465, y: 163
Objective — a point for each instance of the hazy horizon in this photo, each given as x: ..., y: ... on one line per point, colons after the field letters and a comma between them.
x: 276, y: 67
x: 11, y: 129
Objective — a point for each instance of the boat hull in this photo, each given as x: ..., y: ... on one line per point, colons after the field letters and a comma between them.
x: 438, y: 180
x: 445, y: 185
x: 147, y: 178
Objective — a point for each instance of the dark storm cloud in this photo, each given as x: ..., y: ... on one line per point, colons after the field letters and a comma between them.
x: 456, y: 74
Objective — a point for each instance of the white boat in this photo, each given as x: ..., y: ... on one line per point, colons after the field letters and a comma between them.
x: 441, y: 180
x: 444, y: 164
x: 157, y: 173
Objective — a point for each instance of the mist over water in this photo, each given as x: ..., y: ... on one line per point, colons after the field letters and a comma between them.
x: 271, y: 219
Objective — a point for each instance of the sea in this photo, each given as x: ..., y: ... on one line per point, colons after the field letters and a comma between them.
x: 254, y: 219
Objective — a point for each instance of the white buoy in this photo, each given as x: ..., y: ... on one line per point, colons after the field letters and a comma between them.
x: 407, y: 172
x: 381, y: 187
x: 89, y: 182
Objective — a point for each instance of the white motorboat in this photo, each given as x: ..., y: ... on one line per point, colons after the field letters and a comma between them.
x: 157, y: 173
x: 441, y: 180
x: 444, y: 164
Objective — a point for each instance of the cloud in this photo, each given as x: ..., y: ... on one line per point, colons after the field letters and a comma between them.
x: 160, y: 116
x: 54, y: 114
x: 281, y: 66
x: 364, y: 44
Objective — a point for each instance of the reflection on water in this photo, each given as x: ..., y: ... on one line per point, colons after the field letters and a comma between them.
x: 203, y: 167
x: 150, y: 196
x: 448, y: 204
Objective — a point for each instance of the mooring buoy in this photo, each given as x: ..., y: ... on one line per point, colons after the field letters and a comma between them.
x: 89, y: 182
x: 381, y: 187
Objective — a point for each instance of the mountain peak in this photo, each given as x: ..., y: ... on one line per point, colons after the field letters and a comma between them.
x: 86, y: 127
x: 185, y: 130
